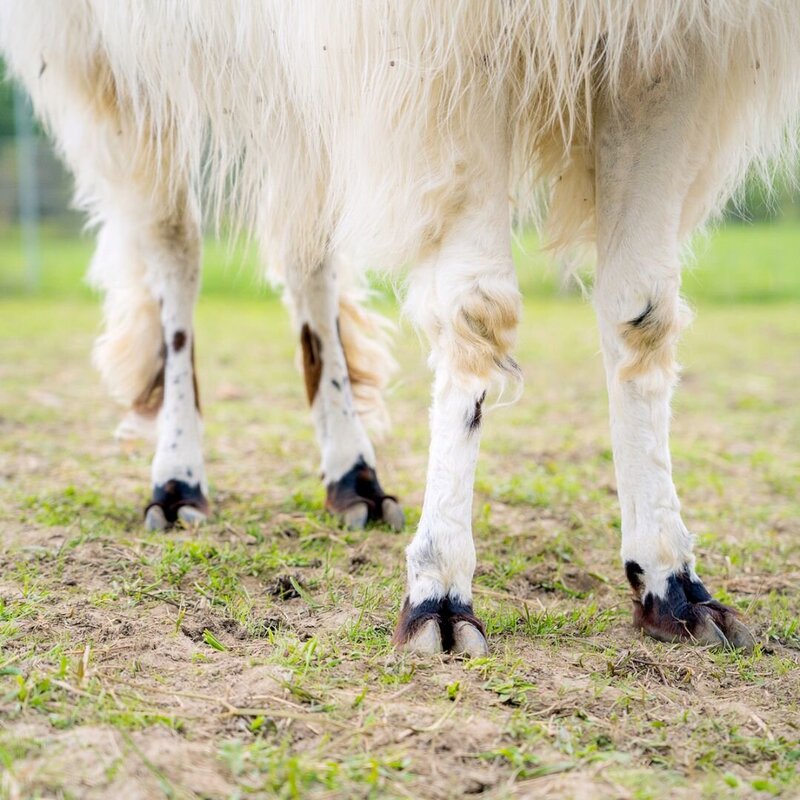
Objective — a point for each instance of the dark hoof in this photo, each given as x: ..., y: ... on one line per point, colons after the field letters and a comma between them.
x: 357, y: 498
x: 688, y: 613
x: 173, y: 502
x: 440, y: 626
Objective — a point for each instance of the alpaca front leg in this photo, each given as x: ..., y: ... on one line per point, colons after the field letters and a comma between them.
x: 646, y: 164
x: 670, y: 601
x: 467, y: 301
x: 437, y: 614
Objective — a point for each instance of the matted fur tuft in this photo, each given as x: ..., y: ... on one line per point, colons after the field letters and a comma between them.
x: 128, y: 353
x: 366, y: 338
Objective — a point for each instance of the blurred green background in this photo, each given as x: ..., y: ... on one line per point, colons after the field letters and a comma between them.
x: 751, y: 257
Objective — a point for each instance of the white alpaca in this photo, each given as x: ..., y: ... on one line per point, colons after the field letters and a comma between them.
x: 391, y: 133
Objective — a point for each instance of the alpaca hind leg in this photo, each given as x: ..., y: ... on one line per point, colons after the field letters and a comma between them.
x: 148, y: 265
x: 148, y: 258
x: 180, y: 491
x: 353, y: 492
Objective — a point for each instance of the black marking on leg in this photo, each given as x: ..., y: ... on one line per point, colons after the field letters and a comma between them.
x: 336, y: 385
x: 642, y: 321
x: 412, y: 618
x: 359, y: 485
x: 474, y: 421
x: 312, y: 361
x: 634, y: 573
x: 178, y: 341
x: 696, y: 592
x: 175, y: 494
x: 150, y: 399
x: 446, y: 612
x: 195, y: 384
x: 649, y: 336
x: 684, y: 611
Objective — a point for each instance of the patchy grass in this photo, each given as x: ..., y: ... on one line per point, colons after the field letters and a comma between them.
x: 252, y: 658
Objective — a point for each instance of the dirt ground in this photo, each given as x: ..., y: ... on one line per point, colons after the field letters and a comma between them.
x: 251, y: 658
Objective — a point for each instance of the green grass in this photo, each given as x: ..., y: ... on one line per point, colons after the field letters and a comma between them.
x: 229, y: 270
x: 252, y: 658
x: 737, y: 263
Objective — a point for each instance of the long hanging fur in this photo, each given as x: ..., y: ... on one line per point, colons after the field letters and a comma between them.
x: 316, y: 119
x: 365, y: 340
x: 347, y: 127
x: 128, y: 353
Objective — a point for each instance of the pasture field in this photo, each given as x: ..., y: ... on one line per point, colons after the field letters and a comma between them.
x: 252, y: 657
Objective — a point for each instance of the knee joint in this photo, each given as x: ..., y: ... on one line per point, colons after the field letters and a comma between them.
x: 483, y: 332
x: 649, y: 339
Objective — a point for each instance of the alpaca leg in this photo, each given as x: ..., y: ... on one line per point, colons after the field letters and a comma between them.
x: 648, y: 152
x: 172, y: 247
x: 147, y: 263
x: 348, y: 458
x: 467, y: 301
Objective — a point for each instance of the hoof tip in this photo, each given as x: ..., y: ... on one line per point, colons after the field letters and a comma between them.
x: 739, y: 635
x: 155, y: 519
x: 426, y: 641
x: 469, y: 641
x: 356, y: 516
x: 709, y: 633
x: 191, y: 516
x: 393, y: 514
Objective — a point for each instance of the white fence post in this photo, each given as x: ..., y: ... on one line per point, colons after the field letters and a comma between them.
x: 28, y: 189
